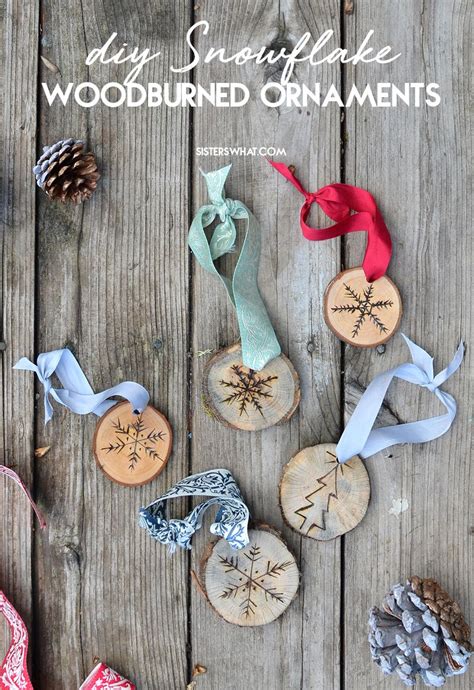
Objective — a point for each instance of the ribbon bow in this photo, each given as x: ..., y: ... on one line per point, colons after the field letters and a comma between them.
x: 338, y: 201
x: 231, y: 521
x: 259, y: 342
x: 77, y: 394
x: 360, y: 439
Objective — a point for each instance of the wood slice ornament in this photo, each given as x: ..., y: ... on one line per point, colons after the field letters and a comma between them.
x: 132, y: 449
x: 322, y: 498
x: 249, y: 400
x: 362, y: 306
x: 132, y: 441
x: 248, y: 386
x: 361, y: 313
x: 248, y: 576
x: 325, y: 490
x: 253, y: 586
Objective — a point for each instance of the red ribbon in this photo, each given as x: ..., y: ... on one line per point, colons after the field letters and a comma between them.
x: 338, y: 201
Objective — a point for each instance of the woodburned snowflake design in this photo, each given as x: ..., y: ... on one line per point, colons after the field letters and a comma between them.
x: 253, y: 575
x: 136, y: 440
x: 247, y: 389
x: 326, y: 489
x: 364, y: 307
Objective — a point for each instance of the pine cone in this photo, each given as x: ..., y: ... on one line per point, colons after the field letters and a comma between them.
x: 420, y: 630
x: 65, y: 172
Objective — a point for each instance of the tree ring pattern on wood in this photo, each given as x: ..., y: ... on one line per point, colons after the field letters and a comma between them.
x: 322, y: 498
x: 254, y: 585
x: 132, y: 449
x: 250, y: 400
x: 361, y: 313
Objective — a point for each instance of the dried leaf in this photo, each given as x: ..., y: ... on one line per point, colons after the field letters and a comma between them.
x: 198, y: 670
x: 191, y: 686
x: 41, y: 452
x: 348, y: 6
x: 399, y: 505
x: 50, y: 65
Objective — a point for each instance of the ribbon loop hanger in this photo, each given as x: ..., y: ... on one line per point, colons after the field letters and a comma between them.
x: 231, y: 521
x: 338, y: 201
x: 359, y: 438
x: 77, y: 394
x: 259, y: 342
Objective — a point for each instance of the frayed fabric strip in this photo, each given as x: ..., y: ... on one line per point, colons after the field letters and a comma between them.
x: 359, y: 438
x: 77, y: 394
x: 231, y: 521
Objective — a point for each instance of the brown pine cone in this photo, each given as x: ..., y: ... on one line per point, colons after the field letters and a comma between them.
x: 66, y: 172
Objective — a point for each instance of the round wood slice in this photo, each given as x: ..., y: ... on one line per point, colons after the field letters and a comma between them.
x: 361, y: 313
x: 322, y: 498
x: 132, y: 449
x: 254, y: 585
x: 250, y: 400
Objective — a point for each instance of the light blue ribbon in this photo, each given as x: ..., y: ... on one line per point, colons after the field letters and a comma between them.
x: 231, y: 521
x: 360, y: 439
x: 259, y: 342
x: 77, y: 394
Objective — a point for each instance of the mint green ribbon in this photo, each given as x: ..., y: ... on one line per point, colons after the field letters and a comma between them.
x: 259, y: 342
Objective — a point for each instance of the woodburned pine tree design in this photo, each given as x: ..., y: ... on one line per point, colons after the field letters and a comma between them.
x: 364, y: 307
x: 326, y: 490
x: 246, y: 388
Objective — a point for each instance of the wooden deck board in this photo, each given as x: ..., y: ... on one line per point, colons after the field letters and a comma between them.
x: 114, y: 281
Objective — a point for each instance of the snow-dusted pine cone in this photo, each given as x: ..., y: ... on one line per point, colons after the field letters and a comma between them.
x: 66, y: 172
x: 420, y: 630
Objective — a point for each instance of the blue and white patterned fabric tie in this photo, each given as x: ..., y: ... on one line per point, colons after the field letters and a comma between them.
x: 231, y: 521
x: 77, y: 394
x: 259, y: 342
x: 359, y: 438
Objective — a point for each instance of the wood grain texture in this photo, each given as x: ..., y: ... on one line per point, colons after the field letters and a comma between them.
x: 322, y: 498
x: 114, y: 282
x: 113, y: 286
x: 254, y: 585
x: 249, y: 400
x: 416, y: 163
x: 293, y: 275
x: 17, y: 267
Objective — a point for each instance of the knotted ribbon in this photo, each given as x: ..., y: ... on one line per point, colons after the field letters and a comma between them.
x: 77, y: 394
x: 231, y: 521
x: 338, y: 201
x: 259, y: 342
x: 360, y: 439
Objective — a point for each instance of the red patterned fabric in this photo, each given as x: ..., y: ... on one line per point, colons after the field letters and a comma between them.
x: 104, y: 677
x: 13, y: 671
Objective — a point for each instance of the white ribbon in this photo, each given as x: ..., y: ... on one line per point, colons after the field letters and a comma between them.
x: 360, y: 439
x: 77, y: 394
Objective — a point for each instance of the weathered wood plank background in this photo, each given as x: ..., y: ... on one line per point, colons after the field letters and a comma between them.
x: 114, y: 281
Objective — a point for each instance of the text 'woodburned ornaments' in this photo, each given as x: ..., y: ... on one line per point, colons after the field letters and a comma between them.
x: 361, y: 305
x: 324, y: 490
x: 132, y: 442
x: 246, y: 399
x: 322, y: 498
x: 361, y: 313
x: 255, y: 585
x: 132, y: 449
x: 250, y: 386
